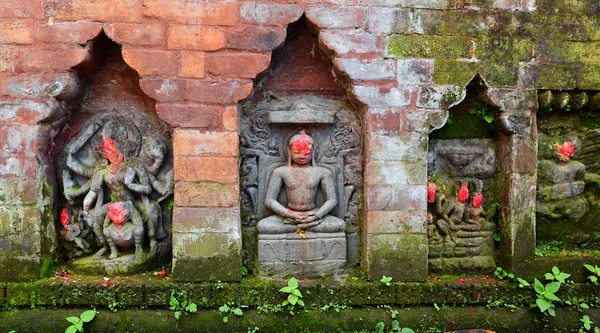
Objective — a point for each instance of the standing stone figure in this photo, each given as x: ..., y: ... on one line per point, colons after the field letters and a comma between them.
x: 301, y: 177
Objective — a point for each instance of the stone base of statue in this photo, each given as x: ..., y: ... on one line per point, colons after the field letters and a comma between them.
x: 307, y: 254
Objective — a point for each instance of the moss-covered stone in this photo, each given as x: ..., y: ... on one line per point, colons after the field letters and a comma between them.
x: 387, y: 250
x: 19, y: 269
x: 589, y: 78
x: 436, y: 47
x: 131, y: 294
x: 550, y: 76
x: 589, y: 7
x: 19, y: 294
x: 503, y: 50
x: 211, y: 262
x: 561, y: 51
x: 462, y: 72
x: 76, y: 294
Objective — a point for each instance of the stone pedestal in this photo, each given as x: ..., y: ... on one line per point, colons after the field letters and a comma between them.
x: 305, y: 254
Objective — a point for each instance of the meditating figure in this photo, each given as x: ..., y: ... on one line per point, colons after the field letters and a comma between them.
x: 302, y: 178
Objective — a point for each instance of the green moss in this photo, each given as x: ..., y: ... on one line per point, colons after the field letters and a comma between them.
x: 462, y: 72
x: 464, y: 126
x: 503, y: 50
x: 436, y: 47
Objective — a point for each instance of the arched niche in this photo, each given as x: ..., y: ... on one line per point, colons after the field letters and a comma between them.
x: 110, y: 159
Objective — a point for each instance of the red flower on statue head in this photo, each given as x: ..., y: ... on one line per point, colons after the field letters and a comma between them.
x: 117, y: 213
x: 431, y: 189
x: 566, y: 150
x: 477, y: 200
x: 463, y: 193
x: 65, y: 217
x: 302, y: 146
x: 111, y: 151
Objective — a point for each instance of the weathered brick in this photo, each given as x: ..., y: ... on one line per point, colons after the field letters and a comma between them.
x: 397, y: 197
x: 350, y: 43
x: 395, y: 173
x: 192, y: 219
x: 194, y: 12
x: 270, y: 14
x: 391, y: 222
x: 20, y: 165
x: 104, y: 11
x: 190, y: 115
x: 440, y: 96
x: 22, y: 9
x: 163, y: 90
x: 67, y: 32
x: 568, y: 52
x: 375, y: 69
x: 549, y: 76
x: 589, y: 77
x: 230, y: 118
x: 460, y: 22
x: 206, y: 168
x: 23, y: 113
x: 513, y: 99
x: 195, y: 142
x: 525, y: 5
x: 16, y: 32
x: 341, y: 17
x: 504, y: 49
x: 193, y: 37
x: 412, y: 148
x: 18, y: 138
x: 377, y: 97
x: 462, y: 72
x: 589, y: 7
x: 384, y: 123
x: 18, y: 191
x: 389, y: 20
x: 259, y: 39
x: 151, y: 62
x: 32, y: 86
x: 52, y: 60
x: 414, y: 71
x: 146, y: 34
x: 191, y: 64
x: 436, y: 47
x: 9, y: 58
x: 244, y: 65
x: 222, y: 92
x: 206, y: 194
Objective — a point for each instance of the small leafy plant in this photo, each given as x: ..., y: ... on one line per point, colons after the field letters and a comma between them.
x: 557, y: 275
x: 294, y: 295
x: 502, y: 274
x: 387, y: 280
x: 482, y: 111
x: 77, y: 322
x: 595, y: 270
x: 546, y: 295
x: 182, y: 306
x: 230, y: 309
x: 587, y: 322
x: 380, y: 327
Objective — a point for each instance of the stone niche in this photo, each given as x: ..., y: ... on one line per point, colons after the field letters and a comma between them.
x: 113, y: 158
x: 266, y: 130
x: 461, y: 189
x: 568, y: 169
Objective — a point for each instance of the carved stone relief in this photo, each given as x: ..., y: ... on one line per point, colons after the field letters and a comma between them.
x: 301, y: 173
x: 117, y: 178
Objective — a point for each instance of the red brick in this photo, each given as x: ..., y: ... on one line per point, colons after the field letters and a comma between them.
x: 260, y: 39
x: 206, y: 168
x: 270, y: 14
x: 384, y: 123
x: 163, y: 90
x: 191, y: 64
x: 9, y: 58
x: 18, y: 191
x: 190, y: 115
x: 146, y: 34
x: 220, y: 92
x: 344, y: 17
x: 190, y: 219
x: 350, y: 44
x: 188, y: 37
x: 151, y: 62
x: 22, y: 8
x: 16, y: 32
x: 244, y: 65
x: 18, y: 138
x: 52, y: 60
x: 20, y: 165
x: 206, y: 194
x: 67, y: 32
x: 230, y: 118
x: 193, y: 12
x: 195, y: 142
x: 95, y: 10
x: 23, y: 113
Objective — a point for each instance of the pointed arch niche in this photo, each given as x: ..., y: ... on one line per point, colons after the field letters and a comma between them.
x: 111, y: 160
x: 464, y: 187
x: 299, y: 92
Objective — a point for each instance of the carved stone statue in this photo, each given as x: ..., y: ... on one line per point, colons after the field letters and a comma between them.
x: 301, y: 178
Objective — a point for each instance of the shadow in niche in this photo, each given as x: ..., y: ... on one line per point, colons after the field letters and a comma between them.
x: 462, y: 188
x: 114, y: 159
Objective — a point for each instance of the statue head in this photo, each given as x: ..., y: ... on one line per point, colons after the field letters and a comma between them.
x: 301, y: 149
x: 113, y: 155
x: 463, y: 193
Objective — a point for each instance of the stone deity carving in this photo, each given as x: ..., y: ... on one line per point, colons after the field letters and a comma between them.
x: 301, y: 178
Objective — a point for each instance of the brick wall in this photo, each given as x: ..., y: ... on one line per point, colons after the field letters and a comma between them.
x: 406, y: 62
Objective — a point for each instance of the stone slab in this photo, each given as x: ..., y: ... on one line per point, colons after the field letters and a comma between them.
x: 301, y: 117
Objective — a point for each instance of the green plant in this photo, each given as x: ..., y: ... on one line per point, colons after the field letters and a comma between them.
x: 482, y: 111
x: 77, y: 322
x: 502, y: 274
x: 380, y: 327
x: 577, y: 302
x: 294, y: 295
x: 269, y: 308
x: 180, y: 304
x: 587, y: 322
x: 556, y: 275
x: 522, y: 283
x: 497, y: 236
x: 545, y: 296
x: 336, y: 307
x: 244, y: 271
x: 387, y: 280
x: 230, y: 309
x: 594, y: 269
